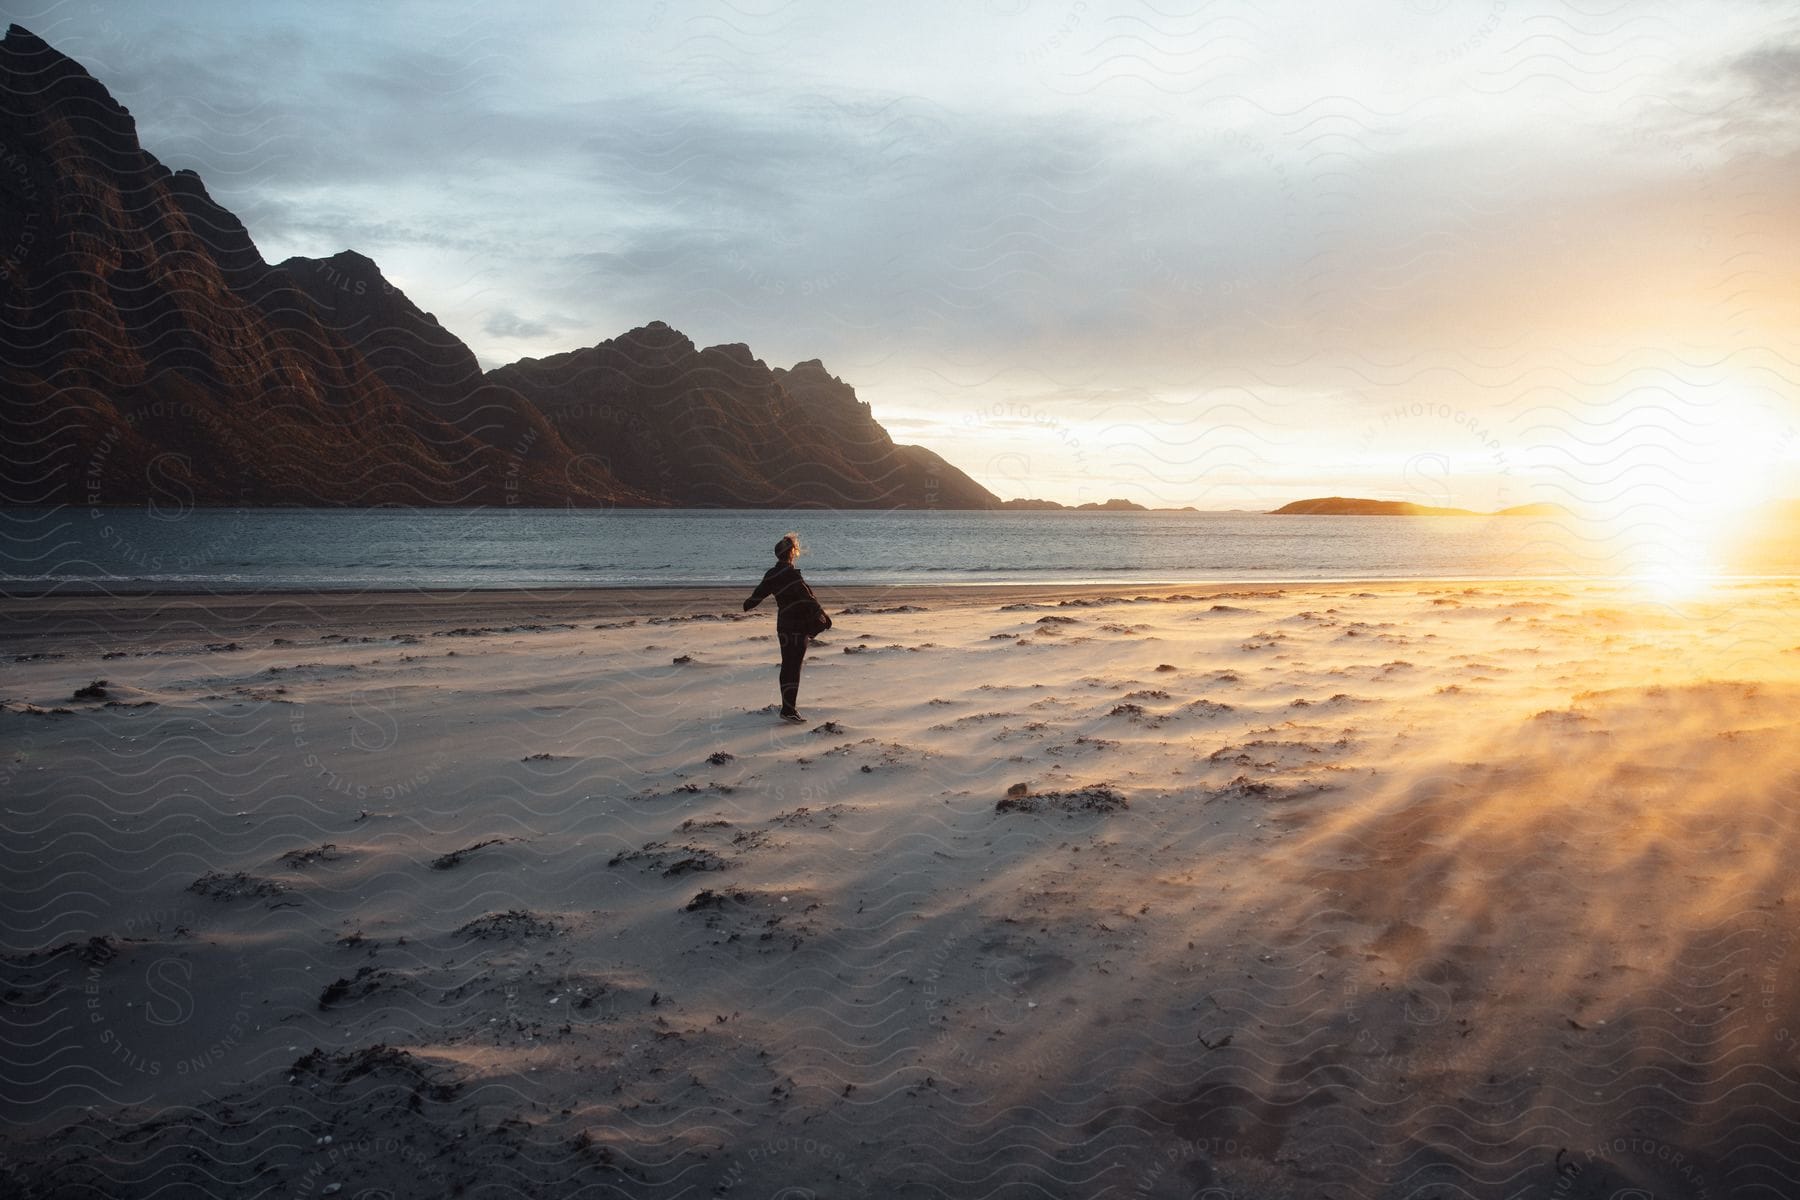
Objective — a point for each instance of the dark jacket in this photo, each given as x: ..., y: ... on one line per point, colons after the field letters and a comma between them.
x: 793, y: 598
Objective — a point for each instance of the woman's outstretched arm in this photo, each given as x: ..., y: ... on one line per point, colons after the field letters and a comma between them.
x: 756, y: 597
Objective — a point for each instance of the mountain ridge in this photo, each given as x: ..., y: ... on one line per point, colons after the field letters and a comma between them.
x: 151, y: 353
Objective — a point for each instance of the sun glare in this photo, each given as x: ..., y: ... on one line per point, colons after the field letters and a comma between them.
x: 1680, y: 481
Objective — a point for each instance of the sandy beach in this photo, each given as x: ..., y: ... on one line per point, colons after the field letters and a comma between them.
x: 1353, y: 890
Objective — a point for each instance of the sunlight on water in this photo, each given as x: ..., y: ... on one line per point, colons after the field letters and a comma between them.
x: 355, y: 550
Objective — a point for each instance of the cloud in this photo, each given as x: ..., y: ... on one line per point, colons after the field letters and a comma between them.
x: 809, y: 215
x: 1755, y: 101
x: 1265, y: 200
x: 504, y: 323
x: 1773, y: 75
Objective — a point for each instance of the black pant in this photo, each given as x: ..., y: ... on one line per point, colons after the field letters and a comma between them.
x: 793, y: 653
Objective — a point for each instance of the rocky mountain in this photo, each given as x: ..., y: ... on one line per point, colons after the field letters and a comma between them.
x: 430, y: 368
x: 719, y: 427
x: 147, y: 351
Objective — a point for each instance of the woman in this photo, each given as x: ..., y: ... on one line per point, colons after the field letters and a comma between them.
x: 798, y: 617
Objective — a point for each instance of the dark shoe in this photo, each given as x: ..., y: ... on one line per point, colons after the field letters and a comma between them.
x: 793, y: 718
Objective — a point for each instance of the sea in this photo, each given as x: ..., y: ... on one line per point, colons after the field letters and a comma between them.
x: 150, y: 549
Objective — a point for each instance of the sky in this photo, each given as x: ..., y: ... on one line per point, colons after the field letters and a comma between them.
x: 1478, y: 253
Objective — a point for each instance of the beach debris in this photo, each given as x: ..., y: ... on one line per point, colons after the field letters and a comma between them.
x: 1081, y: 739
x: 704, y: 860
x: 95, y: 951
x: 672, y: 861
x: 306, y: 858
x: 824, y: 817
x: 514, y: 923
x: 683, y: 659
x: 260, y: 695
x: 427, y: 1080
x: 588, y: 1146
x: 1166, y: 667
x: 1019, y: 789
x: 973, y: 719
x: 719, y: 758
x: 93, y: 691
x: 236, y: 886
x: 1243, y: 787
x: 828, y: 727
x: 366, y: 981
x: 444, y: 862
x: 685, y: 618
x: 1095, y: 798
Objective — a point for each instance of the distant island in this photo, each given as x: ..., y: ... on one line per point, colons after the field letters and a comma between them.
x: 1114, y: 505
x: 1345, y: 506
